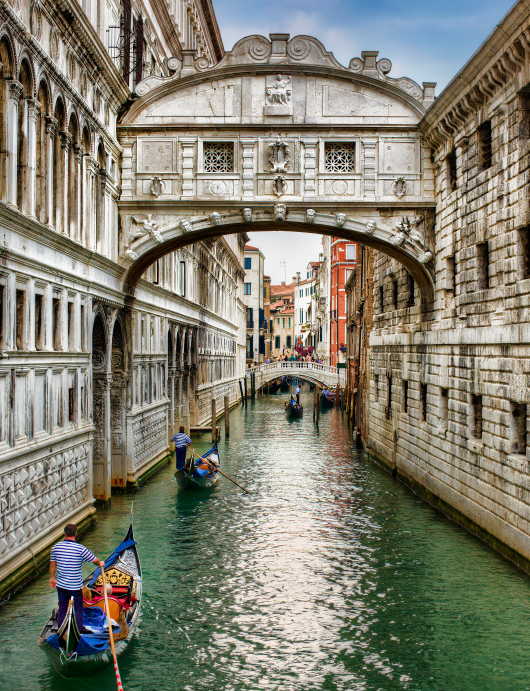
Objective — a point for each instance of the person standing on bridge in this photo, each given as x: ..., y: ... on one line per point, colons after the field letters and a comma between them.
x: 298, y: 392
x: 182, y: 443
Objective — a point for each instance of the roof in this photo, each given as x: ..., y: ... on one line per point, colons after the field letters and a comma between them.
x: 264, y: 276
x: 249, y: 247
x: 282, y: 289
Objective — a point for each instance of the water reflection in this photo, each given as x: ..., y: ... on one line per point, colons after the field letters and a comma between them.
x: 328, y: 575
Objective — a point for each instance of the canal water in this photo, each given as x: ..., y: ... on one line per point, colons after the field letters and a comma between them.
x: 329, y: 575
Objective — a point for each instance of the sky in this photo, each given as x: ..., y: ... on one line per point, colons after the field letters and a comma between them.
x: 426, y: 41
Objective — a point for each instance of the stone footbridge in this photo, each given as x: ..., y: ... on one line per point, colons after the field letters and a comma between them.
x: 312, y: 372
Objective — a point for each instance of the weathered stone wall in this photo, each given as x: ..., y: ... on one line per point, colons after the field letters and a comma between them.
x: 449, y: 391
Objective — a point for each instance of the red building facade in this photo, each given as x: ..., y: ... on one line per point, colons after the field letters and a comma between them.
x: 343, y: 262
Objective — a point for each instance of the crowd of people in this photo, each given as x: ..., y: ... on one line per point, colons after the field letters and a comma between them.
x: 296, y: 357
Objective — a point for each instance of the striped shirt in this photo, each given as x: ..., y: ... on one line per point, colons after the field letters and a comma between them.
x: 70, y: 556
x: 181, y: 440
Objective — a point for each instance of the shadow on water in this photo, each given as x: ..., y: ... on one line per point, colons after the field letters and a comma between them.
x: 328, y: 575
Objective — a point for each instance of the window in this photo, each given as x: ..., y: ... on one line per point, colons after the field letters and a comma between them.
x: 518, y: 427
x: 412, y: 296
x: 388, y: 409
x: 450, y: 270
x: 83, y: 327
x: 405, y: 401
x: 289, y: 323
x: 156, y: 272
x: 483, y: 266
x: 250, y: 317
x: 376, y: 387
x: 395, y: 294
x: 381, y: 298
x: 70, y: 326
x: 218, y: 157
x: 278, y: 321
x: 56, y: 323
x: 340, y: 157
x: 524, y: 253
x: 351, y: 252
x: 451, y: 170
x: 248, y: 263
x: 484, y: 145
x: 347, y: 274
x: 246, y: 288
x: 444, y: 408
x: 283, y: 322
x: 423, y: 402
x: 301, y: 316
x: 301, y: 293
x: 264, y: 293
x: 20, y: 318
x: 476, y: 413
x: 277, y: 342
x: 2, y: 312
x: 183, y: 279
x: 39, y: 308
x: 289, y: 341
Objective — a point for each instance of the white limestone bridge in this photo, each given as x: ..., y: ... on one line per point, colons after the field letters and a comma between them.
x: 312, y: 372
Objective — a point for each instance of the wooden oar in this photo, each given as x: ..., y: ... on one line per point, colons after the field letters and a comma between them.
x: 111, y: 635
x: 219, y: 471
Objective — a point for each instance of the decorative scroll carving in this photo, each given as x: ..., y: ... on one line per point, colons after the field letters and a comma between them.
x: 115, y: 577
x: 399, y: 187
x: 157, y: 186
x: 149, y: 437
x: 279, y: 158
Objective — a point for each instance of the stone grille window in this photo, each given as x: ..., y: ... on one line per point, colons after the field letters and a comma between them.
x: 218, y: 157
x: 340, y: 157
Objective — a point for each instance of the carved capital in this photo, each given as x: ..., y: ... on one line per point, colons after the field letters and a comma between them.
x: 51, y: 124
x: 34, y: 107
x: 66, y: 139
x: 78, y: 152
x: 15, y: 90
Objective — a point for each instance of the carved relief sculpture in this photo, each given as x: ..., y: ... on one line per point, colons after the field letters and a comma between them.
x: 280, y: 211
x: 340, y: 220
x: 279, y: 158
x: 186, y: 226
x: 279, y: 186
x: 310, y: 215
x: 399, y: 187
x: 279, y: 93
x: 147, y: 227
x: 215, y: 218
x: 247, y: 215
x: 157, y: 187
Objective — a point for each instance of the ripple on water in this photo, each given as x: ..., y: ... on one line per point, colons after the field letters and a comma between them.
x: 328, y: 575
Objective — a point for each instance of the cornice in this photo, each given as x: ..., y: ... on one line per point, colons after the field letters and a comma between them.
x: 214, y: 33
x: 500, y: 61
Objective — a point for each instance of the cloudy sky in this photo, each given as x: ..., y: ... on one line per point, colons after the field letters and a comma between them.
x: 425, y: 40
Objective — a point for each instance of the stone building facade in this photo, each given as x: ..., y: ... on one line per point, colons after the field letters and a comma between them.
x: 449, y: 404
x: 92, y: 385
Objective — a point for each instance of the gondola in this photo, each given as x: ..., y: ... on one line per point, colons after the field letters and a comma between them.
x: 327, y: 401
x: 285, y: 384
x: 197, y: 474
x: 273, y: 387
x: 293, y: 409
x: 79, y: 654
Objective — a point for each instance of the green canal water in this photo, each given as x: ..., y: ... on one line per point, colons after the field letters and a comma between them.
x: 330, y: 574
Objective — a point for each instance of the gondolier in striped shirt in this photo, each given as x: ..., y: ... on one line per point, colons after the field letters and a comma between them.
x: 182, y: 442
x: 66, y: 560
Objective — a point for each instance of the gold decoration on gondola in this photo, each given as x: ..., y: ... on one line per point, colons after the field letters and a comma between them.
x: 115, y: 577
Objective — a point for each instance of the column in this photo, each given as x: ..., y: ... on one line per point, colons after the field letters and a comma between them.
x: 171, y: 395
x: 61, y: 210
x: 101, y: 465
x: 101, y: 242
x: 248, y: 166
x: 51, y: 126
x: 33, y: 109
x: 15, y: 90
x: 91, y: 171
x: 310, y: 163
x: 188, y: 152
x: 75, y: 204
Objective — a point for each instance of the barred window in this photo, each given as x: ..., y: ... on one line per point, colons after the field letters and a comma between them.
x: 340, y: 157
x: 218, y: 157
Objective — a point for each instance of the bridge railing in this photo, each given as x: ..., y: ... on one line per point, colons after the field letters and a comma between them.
x: 296, y: 366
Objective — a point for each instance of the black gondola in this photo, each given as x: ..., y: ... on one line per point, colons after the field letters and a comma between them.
x: 327, y: 401
x: 285, y: 384
x: 293, y: 409
x: 79, y: 654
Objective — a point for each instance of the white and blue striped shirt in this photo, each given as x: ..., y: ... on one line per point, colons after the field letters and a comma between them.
x: 69, y: 556
x: 181, y: 439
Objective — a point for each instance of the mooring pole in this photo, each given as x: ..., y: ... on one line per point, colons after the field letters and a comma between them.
x: 318, y: 402
x: 245, y: 388
x: 241, y: 390
x: 227, y: 417
x: 214, y: 422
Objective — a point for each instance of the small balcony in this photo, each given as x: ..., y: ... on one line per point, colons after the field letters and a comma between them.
x: 250, y: 324
x: 263, y: 324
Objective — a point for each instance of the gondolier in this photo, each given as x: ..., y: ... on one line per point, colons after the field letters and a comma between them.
x: 66, y: 560
x: 298, y: 392
x: 182, y: 442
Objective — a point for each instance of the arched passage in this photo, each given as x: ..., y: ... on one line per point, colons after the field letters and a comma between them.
x: 100, y: 405
x: 118, y: 408
x: 404, y: 242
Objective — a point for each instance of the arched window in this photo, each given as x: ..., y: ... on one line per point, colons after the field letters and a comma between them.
x: 58, y: 167
x: 23, y: 136
x: 6, y: 72
x: 42, y: 186
x: 100, y: 199
x: 86, y: 205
